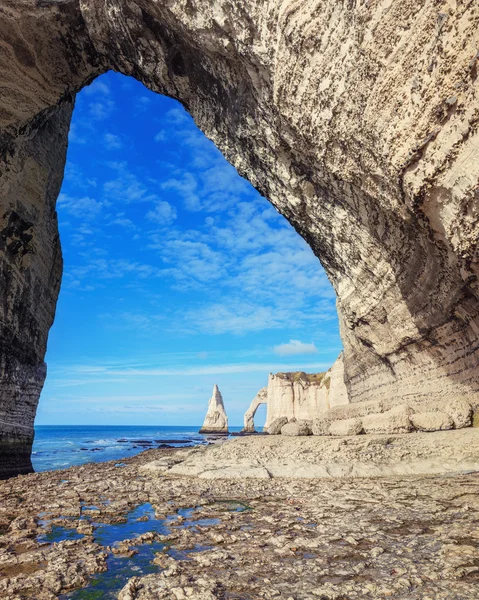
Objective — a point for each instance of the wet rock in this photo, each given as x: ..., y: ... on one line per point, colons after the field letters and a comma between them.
x: 395, y: 537
x: 85, y: 527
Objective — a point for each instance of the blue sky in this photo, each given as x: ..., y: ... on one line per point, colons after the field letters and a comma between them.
x: 177, y: 273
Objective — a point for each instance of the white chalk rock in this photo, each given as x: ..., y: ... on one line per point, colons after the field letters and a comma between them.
x: 346, y: 427
x: 276, y: 425
x: 431, y: 421
x: 395, y: 420
x: 460, y: 412
x: 321, y: 426
x: 216, y: 420
x: 296, y: 428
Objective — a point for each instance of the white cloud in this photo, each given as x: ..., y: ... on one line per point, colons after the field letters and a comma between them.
x: 177, y: 116
x: 112, y: 141
x: 76, y: 176
x: 95, y: 370
x: 265, y: 276
x: 97, y: 87
x: 123, y: 222
x: 294, y: 348
x: 186, y: 188
x: 163, y: 213
x: 126, y: 186
x: 81, y: 208
x: 161, y: 136
x: 98, y: 270
x: 100, y: 110
x: 236, y: 316
x: 144, y: 100
x: 75, y: 136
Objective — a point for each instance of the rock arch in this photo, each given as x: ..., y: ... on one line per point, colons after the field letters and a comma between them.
x: 248, y: 419
x: 358, y: 120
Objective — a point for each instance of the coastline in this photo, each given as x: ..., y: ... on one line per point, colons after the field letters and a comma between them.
x: 389, y: 537
x: 60, y: 446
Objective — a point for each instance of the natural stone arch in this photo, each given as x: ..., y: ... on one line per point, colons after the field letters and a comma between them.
x: 363, y: 136
x: 248, y: 419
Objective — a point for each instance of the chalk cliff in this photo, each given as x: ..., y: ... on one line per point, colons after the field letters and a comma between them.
x: 216, y: 420
x: 299, y: 396
x: 357, y: 120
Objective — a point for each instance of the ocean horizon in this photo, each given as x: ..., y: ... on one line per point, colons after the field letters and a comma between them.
x: 62, y: 446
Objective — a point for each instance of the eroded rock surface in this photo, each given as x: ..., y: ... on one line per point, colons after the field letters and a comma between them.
x: 260, y: 398
x: 384, y: 417
x: 357, y: 120
x: 298, y: 396
x: 216, y: 420
x: 296, y: 428
x: 397, y: 537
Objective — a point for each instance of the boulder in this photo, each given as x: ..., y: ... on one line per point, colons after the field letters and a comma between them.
x: 346, y: 427
x: 321, y: 426
x: 276, y: 425
x: 459, y: 409
x: 395, y: 420
x: 296, y: 428
x: 431, y: 421
x: 460, y: 412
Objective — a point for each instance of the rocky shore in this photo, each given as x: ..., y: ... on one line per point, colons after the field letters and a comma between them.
x: 135, y: 531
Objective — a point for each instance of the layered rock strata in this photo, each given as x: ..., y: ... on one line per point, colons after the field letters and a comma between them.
x: 305, y: 396
x: 216, y: 420
x: 298, y: 396
x: 358, y: 121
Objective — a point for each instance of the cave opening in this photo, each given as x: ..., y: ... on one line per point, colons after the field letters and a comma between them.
x: 177, y: 273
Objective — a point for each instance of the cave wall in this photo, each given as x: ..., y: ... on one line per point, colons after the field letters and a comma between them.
x: 356, y: 119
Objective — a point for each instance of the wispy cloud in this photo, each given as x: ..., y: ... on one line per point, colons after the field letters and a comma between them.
x: 100, y: 110
x: 161, y: 136
x: 192, y: 371
x: 112, y: 141
x: 85, y: 208
x: 76, y: 135
x: 268, y: 276
x: 97, y: 88
x: 294, y: 348
x: 163, y: 213
x: 178, y: 115
x: 125, y: 186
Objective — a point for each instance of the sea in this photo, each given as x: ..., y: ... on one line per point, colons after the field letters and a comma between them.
x: 63, y: 446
